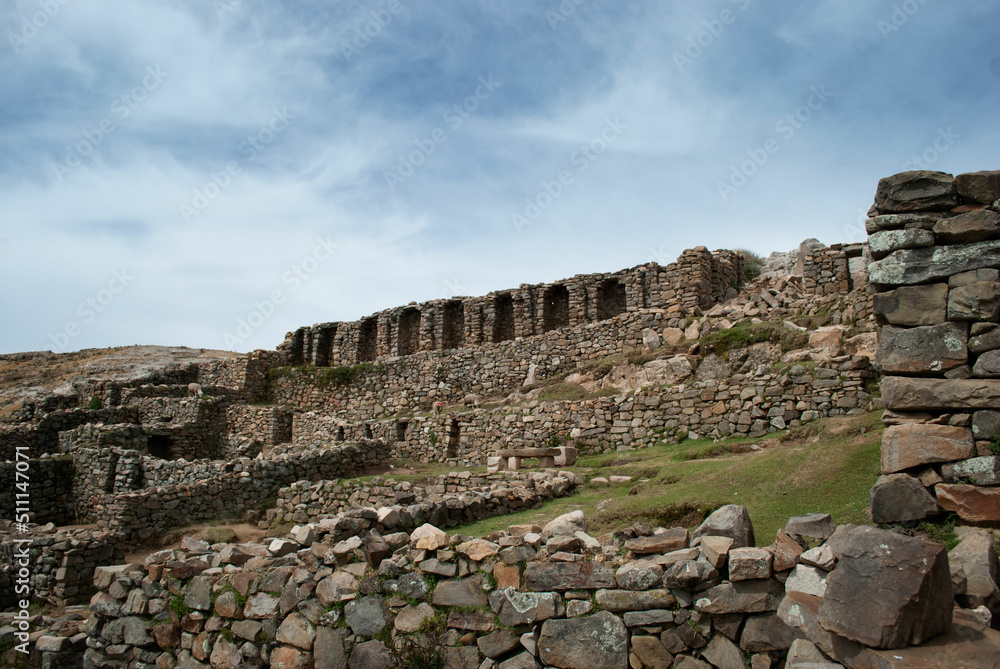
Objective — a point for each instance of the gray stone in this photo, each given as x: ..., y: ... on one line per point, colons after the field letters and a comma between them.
x: 135, y: 631
x: 540, y: 576
x: 972, y: 226
x: 596, y: 642
x: 198, y: 595
x: 691, y: 575
x: 986, y: 424
x: 328, y: 648
x: 628, y: 600
x: 297, y: 631
x: 467, y: 592
x: 653, y: 617
x: 913, y: 583
x: 806, y: 579
x: 465, y: 657
x: 918, y: 190
x: 913, y: 394
x: 731, y: 521
x: 742, y: 597
x: 767, y: 633
x: 639, y: 575
x: 974, y: 301
x: 923, y: 349
x: 982, y: 187
x: 900, y: 498
x: 899, y: 221
x: 985, y: 341
x: 913, y: 266
x: 367, y: 616
x: 811, y: 525
x: 523, y: 660
x: 984, y: 470
x: 723, y: 653
x: 976, y: 557
x: 884, y: 242
x: 912, y: 305
x: 369, y: 655
x: 688, y: 662
x: 497, y: 643
x: 567, y: 524
x: 673, y: 539
x: 988, y: 365
x: 338, y: 587
x: 261, y: 606
x: 521, y: 608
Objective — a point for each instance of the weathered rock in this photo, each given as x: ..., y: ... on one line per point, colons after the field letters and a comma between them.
x: 976, y: 557
x: 596, y: 642
x: 478, y: 550
x: 716, y: 550
x: 466, y: 592
x: 974, y: 504
x: 523, y: 660
x: 911, y: 578
x: 688, y: 662
x: 713, y: 367
x: 742, y: 597
x: 651, y: 652
x: 376, y: 548
x: 898, y: 221
x: 912, y: 394
x: 913, y: 266
x: 411, y: 617
x: 723, y: 653
x: 289, y: 657
x: 628, y: 600
x: 808, y: 580
x: 986, y: 424
x: 673, y: 539
x: 731, y: 521
x: 367, y: 616
x: 541, y: 576
x: 460, y: 658
x: 966, y: 646
x: 749, y: 563
x: 198, y: 595
x: 369, y: 655
x: 766, y: 633
x: 922, y: 350
x: 260, y: 606
x: 900, y: 498
x: 786, y: 552
x: 884, y: 242
x: 912, y: 445
x: 919, y: 190
x: 982, y: 187
x: 972, y: 226
x: 820, y: 557
x: 650, y: 339
x: 297, y: 631
x: 912, y: 305
x: 988, y: 365
x: 648, y: 618
x: 988, y: 340
x: 803, y: 654
x: 639, y: 575
x: 974, y: 301
x: 983, y: 470
x: 338, y: 587
x: 521, y: 608
x: 428, y: 537
x: 811, y: 525
x: 566, y: 524
x: 497, y: 643
x: 328, y: 649
x: 691, y: 575
x: 439, y: 568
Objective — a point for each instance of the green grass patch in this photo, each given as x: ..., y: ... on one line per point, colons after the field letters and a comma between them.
x: 746, y: 333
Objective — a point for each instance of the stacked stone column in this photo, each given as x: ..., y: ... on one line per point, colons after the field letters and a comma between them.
x: 936, y: 277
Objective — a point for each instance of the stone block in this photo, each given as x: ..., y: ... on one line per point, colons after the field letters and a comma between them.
x: 974, y: 301
x: 919, y: 190
x: 972, y: 226
x: 900, y: 498
x: 916, y: 266
x: 915, y: 444
x: 922, y: 350
x: 982, y: 187
x: 912, y: 305
x: 912, y: 394
x: 599, y: 641
x: 749, y: 563
x: 974, y: 504
x: 885, y: 242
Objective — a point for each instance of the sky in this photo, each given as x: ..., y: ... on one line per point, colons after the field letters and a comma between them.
x: 216, y: 173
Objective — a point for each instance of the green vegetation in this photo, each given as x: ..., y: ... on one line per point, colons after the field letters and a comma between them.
x: 995, y: 445
x: 747, y: 332
x: 572, y: 392
x: 178, y: 606
x: 421, y: 650
x: 95, y: 403
x: 752, y: 264
x: 795, y: 473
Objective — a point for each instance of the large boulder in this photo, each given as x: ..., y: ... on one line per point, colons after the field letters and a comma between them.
x: 731, y: 521
x: 974, y: 504
x: 599, y: 641
x: 919, y: 190
x: 888, y: 590
x: 972, y: 226
x: 567, y: 524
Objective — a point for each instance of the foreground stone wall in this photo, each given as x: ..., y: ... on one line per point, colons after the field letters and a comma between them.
x: 48, y: 483
x: 937, y: 279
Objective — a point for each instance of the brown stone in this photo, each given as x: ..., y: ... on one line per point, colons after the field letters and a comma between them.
x: 888, y: 590
x: 974, y: 301
x: 972, y: 226
x: 507, y: 575
x: 673, y: 539
x: 974, y: 504
x: 918, y: 190
x: 900, y: 498
x: 466, y: 592
x: 543, y: 576
x: 749, y: 563
x: 767, y: 632
x: 786, y: 552
x: 912, y: 305
x: 922, y: 350
x: 912, y: 394
x: 651, y: 652
x: 982, y: 187
x: 731, y: 521
x: 742, y: 597
x: 968, y: 646
x: 906, y: 446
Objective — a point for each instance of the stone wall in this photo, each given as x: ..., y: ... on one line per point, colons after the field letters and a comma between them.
x: 936, y: 239
x: 265, y: 425
x: 243, y: 484
x: 49, y: 485
x: 750, y: 398
x: 42, y: 434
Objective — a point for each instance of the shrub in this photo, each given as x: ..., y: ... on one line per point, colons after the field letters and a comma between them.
x: 752, y: 264
x: 95, y: 403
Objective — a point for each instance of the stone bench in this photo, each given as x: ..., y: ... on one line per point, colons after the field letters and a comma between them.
x: 510, y: 459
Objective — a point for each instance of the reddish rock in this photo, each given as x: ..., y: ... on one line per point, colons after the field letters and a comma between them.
x: 906, y: 446
x: 982, y: 187
x: 507, y: 576
x: 903, y: 582
x: 918, y: 190
x: 974, y: 504
x: 972, y: 226
x: 786, y: 552
x: 673, y: 539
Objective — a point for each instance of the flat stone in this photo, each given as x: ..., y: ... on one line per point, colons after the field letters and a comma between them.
x: 731, y: 521
x: 912, y: 580
x: 466, y: 592
x: 917, y: 190
x: 743, y: 597
x: 673, y: 539
x: 884, y: 242
x: 982, y: 342
x: 913, y: 394
x: 922, y: 350
x: 900, y: 498
x: 749, y: 563
x: 914, y: 266
x: 974, y: 301
x: 966, y: 646
x: 475, y: 621
x: 639, y: 575
x: 497, y: 643
x: 983, y: 470
x: 260, y: 606
x: 541, y: 576
x: 691, y: 575
x: 619, y: 601
x: 806, y: 579
x: 820, y: 557
x: 982, y: 187
x: 199, y: 593
x: 651, y: 618
x: 974, y: 504
x: 478, y: 550
x: 899, y: 221
x: 912, y: 305
x: 723, y: 653
x: 599, y: 641
x: 367, y: 616
x: 282, y: 547
x: 972, y: 226
x: 460, y: 658
x: 439, y: 568
x: 521, y: 608
x: 523, y: 660
x: 651, y: 652
x: 412, y: 616
x: 818, y: 526
x: 912, y: 445
x: 766, y: 633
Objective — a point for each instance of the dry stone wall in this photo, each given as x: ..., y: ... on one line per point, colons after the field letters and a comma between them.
x: 50, y: 490
x: 937, y: 279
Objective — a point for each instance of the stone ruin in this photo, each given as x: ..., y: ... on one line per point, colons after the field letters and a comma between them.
x: 366, y: 574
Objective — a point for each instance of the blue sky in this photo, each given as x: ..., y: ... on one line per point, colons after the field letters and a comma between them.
x: 215, y: 173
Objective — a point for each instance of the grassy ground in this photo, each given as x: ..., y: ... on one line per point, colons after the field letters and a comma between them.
x: 827, y: 466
